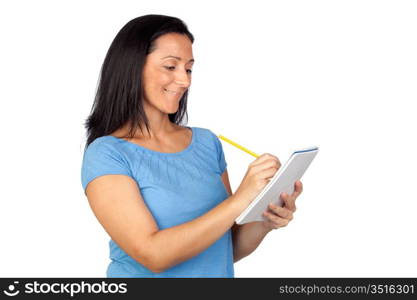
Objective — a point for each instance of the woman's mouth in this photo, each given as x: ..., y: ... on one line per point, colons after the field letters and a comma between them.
x: 172, y: 92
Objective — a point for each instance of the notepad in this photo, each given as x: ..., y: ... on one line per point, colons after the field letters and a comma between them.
x: 283, y: 181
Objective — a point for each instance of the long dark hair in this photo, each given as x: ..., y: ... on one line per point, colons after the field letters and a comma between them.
x: 119, y: 96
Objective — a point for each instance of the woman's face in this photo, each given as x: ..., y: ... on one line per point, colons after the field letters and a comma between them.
x: 167, y: 72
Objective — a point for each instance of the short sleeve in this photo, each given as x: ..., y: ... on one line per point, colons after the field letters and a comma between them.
x: 220, y: 154
x: 102, y: 159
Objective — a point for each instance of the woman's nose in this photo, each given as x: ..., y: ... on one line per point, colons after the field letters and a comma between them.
x: 183, y: 79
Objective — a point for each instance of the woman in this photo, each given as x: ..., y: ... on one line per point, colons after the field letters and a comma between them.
x: 163, y: 194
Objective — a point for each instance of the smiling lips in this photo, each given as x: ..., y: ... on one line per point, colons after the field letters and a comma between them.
x: 172, y: 92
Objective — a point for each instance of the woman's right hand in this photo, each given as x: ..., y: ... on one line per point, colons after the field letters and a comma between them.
x: 259, y: 173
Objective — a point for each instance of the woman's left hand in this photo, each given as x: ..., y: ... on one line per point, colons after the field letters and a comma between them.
x: 276, y: 216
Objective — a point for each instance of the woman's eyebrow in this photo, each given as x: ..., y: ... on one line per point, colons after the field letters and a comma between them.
x: 176, y: 57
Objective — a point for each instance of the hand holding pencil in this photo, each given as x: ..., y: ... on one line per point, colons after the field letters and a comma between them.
x: 259, y: 173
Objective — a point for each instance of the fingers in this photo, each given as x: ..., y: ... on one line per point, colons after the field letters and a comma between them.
x: 289, y: 202
x: 266, y: 174
x: 265, y: 167
x: 278, y: 216
x: 298, y: 188
x: 274, y: 221
x: 282, y: 212
x: 264, y: 157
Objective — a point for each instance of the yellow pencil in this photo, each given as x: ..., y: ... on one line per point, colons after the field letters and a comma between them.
x: 238, y: 146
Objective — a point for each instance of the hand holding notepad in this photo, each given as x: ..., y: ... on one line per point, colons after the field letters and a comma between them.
x: 283, y: 181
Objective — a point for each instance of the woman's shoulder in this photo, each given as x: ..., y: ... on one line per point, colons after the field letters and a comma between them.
x: 207, y: 138
x: 204, y: 132
x: 107, y: 143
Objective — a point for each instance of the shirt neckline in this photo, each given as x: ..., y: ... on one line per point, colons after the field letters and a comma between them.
x: 187, y: 149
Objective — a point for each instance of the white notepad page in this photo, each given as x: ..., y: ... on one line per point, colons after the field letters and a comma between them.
x: 282, y: 181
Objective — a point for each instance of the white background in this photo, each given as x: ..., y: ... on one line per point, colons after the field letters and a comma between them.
x: 271, y: 75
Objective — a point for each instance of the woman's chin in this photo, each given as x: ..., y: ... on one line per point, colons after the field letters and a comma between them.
x: 172, y: 110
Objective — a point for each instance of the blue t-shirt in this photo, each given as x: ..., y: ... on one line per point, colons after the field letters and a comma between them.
x: 176, y: 187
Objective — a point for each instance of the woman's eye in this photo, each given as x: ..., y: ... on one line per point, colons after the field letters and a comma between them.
x: 189, y: 71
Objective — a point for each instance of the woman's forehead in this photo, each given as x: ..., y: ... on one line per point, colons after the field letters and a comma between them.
x: 174, y: 45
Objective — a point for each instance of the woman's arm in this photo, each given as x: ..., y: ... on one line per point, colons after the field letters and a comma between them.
x: 118, y: 205
x: 246, y: 237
